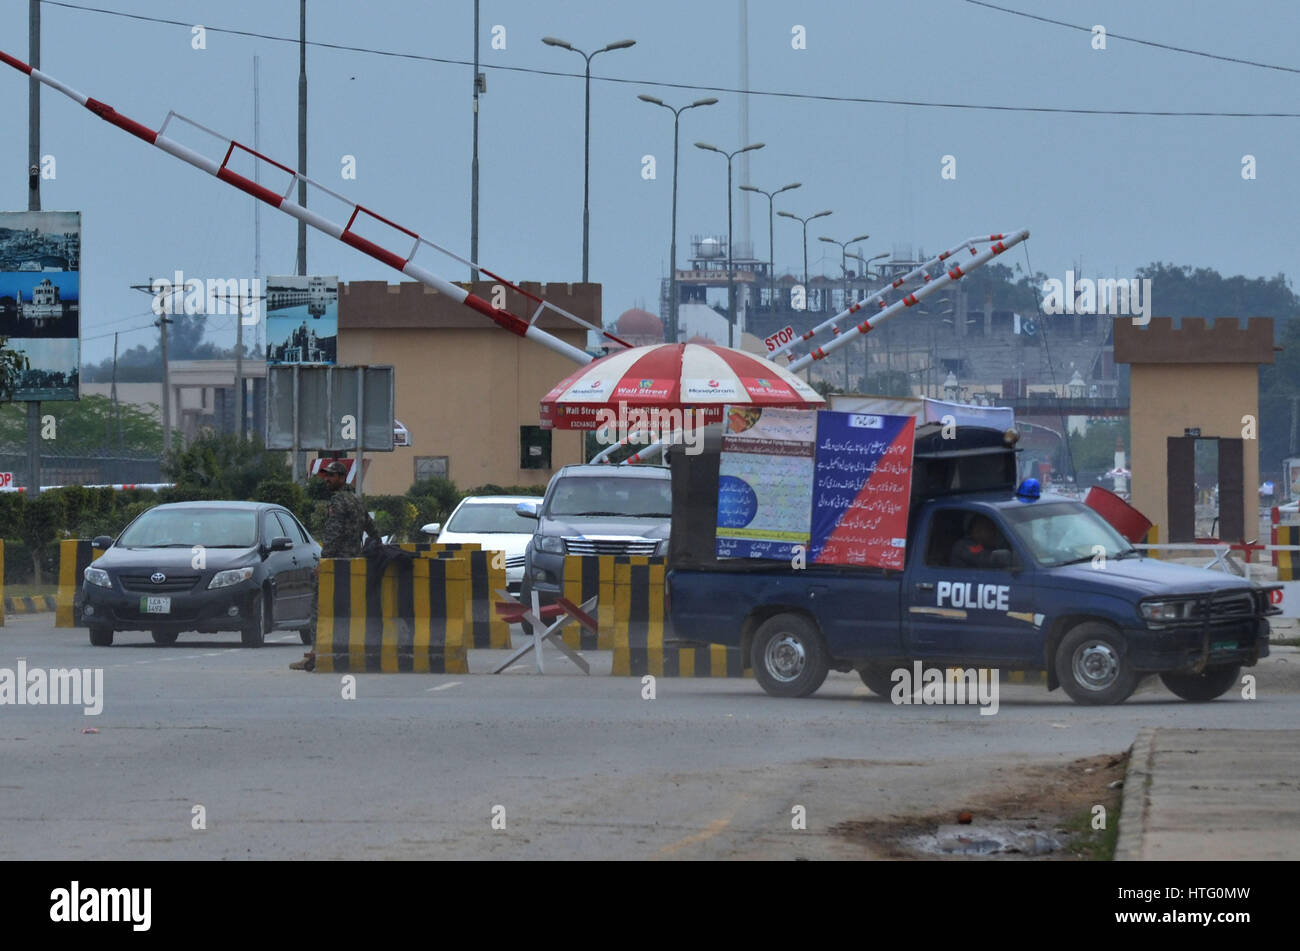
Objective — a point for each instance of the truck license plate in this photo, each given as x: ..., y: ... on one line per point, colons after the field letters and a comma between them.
x: 155, y: 605
x: 1223, y: 646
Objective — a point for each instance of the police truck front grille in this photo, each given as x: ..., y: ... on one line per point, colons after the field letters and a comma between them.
x: 1225, y: 608
x: 609, y: 546
x: 140, y: 584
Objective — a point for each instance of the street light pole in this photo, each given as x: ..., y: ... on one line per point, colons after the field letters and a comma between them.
x: 731, y: 274
x: 677, y: 114
x: 804, y: 222
x: 844, y: 277
x: 771, y: 236
x: 586, y: 150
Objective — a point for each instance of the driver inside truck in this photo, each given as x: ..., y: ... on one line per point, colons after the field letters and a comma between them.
x: 977, y: 547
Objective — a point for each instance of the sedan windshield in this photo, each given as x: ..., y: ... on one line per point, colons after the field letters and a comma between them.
x: 612, y: 496
x: 184, y: 528
x: 1057, y: 533
x: 491, y: 518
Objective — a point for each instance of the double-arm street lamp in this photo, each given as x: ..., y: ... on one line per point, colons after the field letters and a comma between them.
x: 586, y: 151
x: 771, y: 253
x: 731, y: 277
x: 804, y: 222
x: 844, y: 259
x: 677, y: 114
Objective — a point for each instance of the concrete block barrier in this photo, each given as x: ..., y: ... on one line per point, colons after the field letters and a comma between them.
x: 410, y: 619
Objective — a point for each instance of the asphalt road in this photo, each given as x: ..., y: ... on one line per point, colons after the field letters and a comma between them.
x: 417, y: 766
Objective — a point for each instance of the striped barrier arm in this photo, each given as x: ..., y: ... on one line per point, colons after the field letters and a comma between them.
x: 417, y: 626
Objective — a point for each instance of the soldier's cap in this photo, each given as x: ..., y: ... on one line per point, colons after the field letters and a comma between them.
x: 334, y: 468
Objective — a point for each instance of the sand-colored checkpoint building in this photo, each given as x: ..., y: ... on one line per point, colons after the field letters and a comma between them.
x: 467, y: 391
x: 1193, y: 382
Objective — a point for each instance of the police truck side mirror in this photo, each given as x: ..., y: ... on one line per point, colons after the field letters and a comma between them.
x: 102, y: 542
x: 281, y: 543
x: 526, y: 509
x: 1000, y: 558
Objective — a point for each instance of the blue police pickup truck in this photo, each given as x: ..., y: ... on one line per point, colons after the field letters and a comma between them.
x: 996, y: 575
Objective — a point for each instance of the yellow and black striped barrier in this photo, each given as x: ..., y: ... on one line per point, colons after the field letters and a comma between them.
x: 29, y: 605
x: 1153, y: 538
x: 421, y: 548
x: 642, y: 643
x: 1286, y: 561
x: 487, y: 575
x: 75, y: 555
x: 585, y: 577
x: 410, y: 620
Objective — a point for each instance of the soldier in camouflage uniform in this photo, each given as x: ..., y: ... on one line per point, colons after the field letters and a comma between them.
x: 347, y: 518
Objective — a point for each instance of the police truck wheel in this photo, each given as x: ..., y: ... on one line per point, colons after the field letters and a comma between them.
x: 101, y: 636
x: 877, y: 677
x: 165, y: 637
x: 1093, y: 667
x: 253, y: 634
x: 1211, y: 683
x: 788, y: 657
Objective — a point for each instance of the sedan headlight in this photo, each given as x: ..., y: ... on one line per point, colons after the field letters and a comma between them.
x: 1165, y: 610
x: 98, y: 576
x: 661, y: 550
x: 224, y: 579
x: 552, y: 544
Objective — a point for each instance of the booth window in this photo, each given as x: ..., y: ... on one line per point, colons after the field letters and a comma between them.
x: 430, y: 467
x: 534, y: 447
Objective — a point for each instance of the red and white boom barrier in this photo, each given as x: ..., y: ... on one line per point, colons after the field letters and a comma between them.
x: 345, y: 233
x: 954, y: 273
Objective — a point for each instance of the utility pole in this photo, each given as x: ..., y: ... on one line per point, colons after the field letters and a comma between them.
x: 34, y: 204
x: 117, y: 407
x: 302, y: 133
x: 162, y: 307
x: 473, y: 188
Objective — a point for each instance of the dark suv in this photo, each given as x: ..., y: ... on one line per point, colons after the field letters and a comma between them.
x: 204, y: 566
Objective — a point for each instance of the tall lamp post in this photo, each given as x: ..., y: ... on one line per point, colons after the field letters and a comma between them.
x: 771, y: 242
x: 677, y: 114
x: 804, y: 222
x: 731, y: 276
x: 586, y: 150
x: 844, y: 272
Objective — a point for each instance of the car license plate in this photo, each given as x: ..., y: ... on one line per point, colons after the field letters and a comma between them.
x: 155, y: 605
x: 1223, y: 646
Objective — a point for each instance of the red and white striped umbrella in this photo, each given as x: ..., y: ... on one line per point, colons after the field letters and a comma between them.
x: 672, y: 376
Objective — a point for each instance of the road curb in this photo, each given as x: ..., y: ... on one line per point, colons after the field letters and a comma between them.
x: 1134, y: 802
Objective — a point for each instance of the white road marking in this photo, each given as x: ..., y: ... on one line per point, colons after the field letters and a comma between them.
x: 454, y: 683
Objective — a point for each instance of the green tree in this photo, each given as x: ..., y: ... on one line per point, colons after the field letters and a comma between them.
x: 42, y: 517
x: 12, y: 364
x: 223, y: 466
x: 88, y: 425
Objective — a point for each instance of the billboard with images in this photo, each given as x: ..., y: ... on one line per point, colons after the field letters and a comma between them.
x: 302, y: 319
x: 40, y: 299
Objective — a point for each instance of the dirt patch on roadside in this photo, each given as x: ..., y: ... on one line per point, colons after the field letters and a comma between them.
x: 1037, y: 803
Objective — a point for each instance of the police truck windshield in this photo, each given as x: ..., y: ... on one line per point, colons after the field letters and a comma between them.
x: 1060, y: 533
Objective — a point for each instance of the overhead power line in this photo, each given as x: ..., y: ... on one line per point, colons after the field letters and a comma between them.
x: 803, y: 96
x: 1110, y: 34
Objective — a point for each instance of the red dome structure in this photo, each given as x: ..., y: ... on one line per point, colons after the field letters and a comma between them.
x: 640, y: 324
x: 701, y: 339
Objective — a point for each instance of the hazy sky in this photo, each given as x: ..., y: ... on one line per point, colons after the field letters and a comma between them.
x: 1111, y: 193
